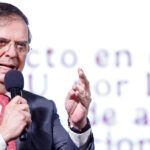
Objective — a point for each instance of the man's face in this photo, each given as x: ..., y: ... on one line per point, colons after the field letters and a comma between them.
x: 13, y: 45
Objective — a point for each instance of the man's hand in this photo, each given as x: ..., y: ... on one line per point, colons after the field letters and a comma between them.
x: 78, y: 101
x: 16, y: 118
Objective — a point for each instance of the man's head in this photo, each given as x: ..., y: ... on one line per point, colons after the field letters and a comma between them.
x: 14, y: 40
x: 8, y: 10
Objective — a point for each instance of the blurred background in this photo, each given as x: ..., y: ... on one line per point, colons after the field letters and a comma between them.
x: 110, y: 40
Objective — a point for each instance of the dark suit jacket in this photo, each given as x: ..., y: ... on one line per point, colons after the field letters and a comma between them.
x: 46, y: 131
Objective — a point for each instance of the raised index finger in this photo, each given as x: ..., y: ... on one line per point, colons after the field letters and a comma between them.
x: 82, y: 79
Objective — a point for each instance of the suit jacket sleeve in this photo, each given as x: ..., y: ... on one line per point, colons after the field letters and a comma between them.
x: 62, y: 140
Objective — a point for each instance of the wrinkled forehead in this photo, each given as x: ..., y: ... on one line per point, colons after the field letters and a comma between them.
x: 14, y: 28
x: 5, y: 20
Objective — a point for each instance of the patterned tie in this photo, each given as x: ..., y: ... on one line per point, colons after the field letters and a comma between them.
x: 4, y: 100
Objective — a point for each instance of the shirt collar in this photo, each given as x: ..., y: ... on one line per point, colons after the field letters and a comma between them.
x: 8, y: 94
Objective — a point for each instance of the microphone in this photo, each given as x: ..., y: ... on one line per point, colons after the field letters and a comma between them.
x: 14, y: 83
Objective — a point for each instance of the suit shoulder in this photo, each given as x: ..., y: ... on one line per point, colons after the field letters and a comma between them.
x: 34, y: 98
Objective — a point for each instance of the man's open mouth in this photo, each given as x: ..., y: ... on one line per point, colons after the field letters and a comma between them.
x: 8, y: 66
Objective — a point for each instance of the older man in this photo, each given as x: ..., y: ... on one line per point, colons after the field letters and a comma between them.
x: 33, y: 113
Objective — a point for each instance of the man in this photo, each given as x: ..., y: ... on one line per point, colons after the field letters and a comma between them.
x: 33, y: 113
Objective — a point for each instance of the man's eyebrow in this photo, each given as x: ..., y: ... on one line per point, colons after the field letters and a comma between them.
x: 25, y: 42
x: 4, y: 39
x: 7, y: 40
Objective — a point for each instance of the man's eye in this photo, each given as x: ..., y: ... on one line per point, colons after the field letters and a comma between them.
x: 21, y: 44
x: 2, y: 43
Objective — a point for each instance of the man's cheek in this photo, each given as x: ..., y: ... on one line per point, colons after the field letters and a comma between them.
x: 2, y: 51
x: 21, y: 65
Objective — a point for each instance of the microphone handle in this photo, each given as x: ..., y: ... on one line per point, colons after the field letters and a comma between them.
x: 14, y: 92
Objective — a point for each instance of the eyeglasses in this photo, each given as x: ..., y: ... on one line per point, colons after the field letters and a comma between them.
x: 20, y: 46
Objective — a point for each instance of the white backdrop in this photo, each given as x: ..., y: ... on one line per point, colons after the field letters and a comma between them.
x: 110, y: 40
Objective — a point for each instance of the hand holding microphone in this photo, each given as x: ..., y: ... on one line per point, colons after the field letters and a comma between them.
x: 17, y: 115
x: 16, y: 118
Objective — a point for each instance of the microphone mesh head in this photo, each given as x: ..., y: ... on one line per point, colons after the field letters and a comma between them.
x: 13, y: 79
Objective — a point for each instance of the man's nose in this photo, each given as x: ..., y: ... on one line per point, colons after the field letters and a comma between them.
x: 11, y: 50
